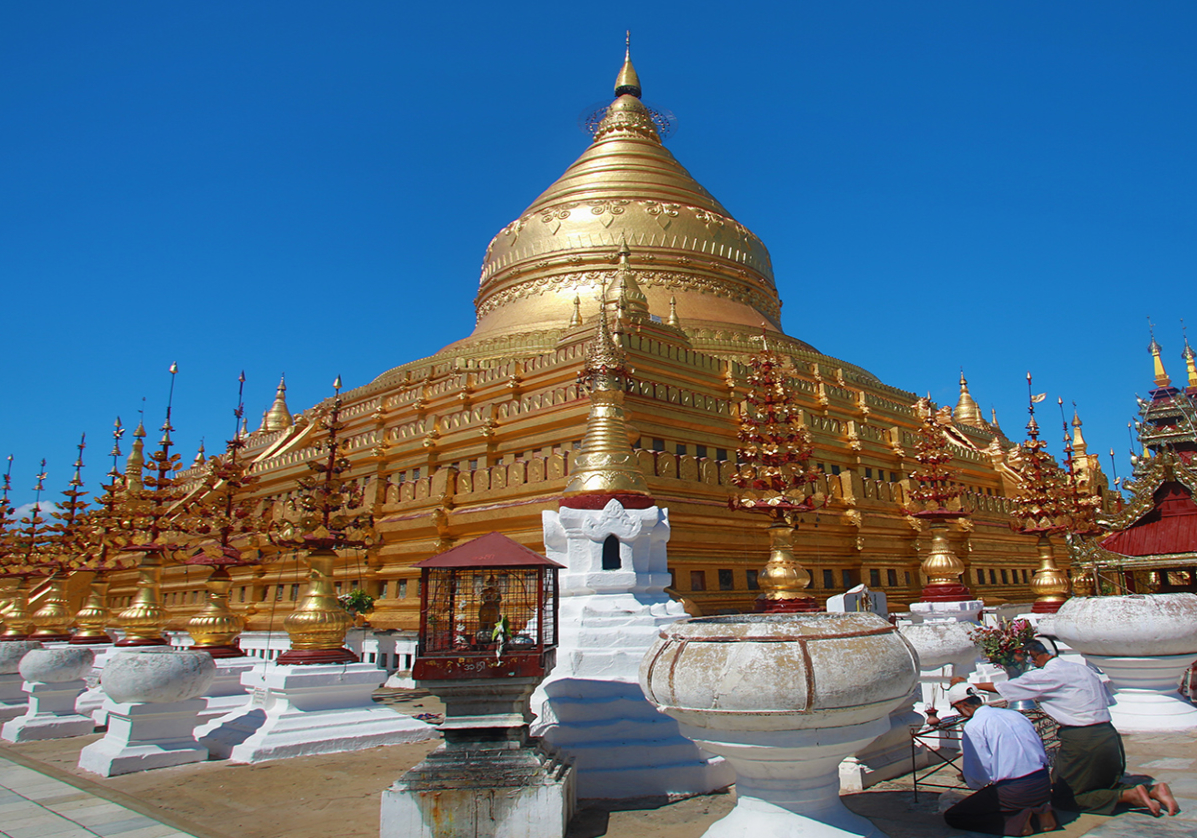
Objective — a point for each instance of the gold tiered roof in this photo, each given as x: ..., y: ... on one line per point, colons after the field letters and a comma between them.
x: 684, y: 245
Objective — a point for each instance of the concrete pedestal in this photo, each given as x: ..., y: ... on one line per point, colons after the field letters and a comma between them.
x: 487, y: 792
x: 14, y: 701
x: 91, y: 702
x: 787, y: 782
x: 887, y: 756
x: 315, y: 709
x: 968, y: 610
x: 1146, y: 699
x: 143, y: 736
x: 227, y: 694
x: 50, y: 715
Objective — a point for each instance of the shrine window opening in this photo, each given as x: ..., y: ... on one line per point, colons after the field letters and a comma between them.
x: 828, y: 579
x: 874, y: 577
x: 835, y: 469
x: 402, y: 592
x: 382, y: 589
x: 868, y: 474
x: 992, y: 576
x: 415, y: 474
x: 891, y: 578
x: 750, y: 578
x: 278, y: 593
x: 720, y: 453
x: 846, y: 576
x: 638, y: 443
x: 1005, y: 580
x: 241, y: 596
x: 473, y: 464
x: 680, y: 450
x: 908, y: 578
x: 611, y: 560
x: 658, y: 445
x: 727, y: 581
x: 294, y: 592
x: 338, y: 588
x: 700, y: 451
x: 698, y: 580
x: 821, y: 467
x: 980, y: 576
x: 1024, y: 575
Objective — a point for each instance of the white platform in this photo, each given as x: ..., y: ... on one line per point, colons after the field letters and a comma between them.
x: 91, y: 702
x: 227, y: 694
x: 50, y: 715
x: 968, y: 610
x: 888, y: 756
x: 313, y: 709
x: 145, y: 736
x: 590, y: 708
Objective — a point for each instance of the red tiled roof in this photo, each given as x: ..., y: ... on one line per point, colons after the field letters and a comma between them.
x: 491, y: 550
x: 1169, y: 528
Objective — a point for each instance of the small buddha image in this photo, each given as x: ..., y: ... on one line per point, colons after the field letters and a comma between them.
x: 488, y: 612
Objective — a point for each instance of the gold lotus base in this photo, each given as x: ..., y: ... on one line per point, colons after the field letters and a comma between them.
x: 52, y: 621
x: 17, y: 621
x: 1049, y: 584
x: 93, y: 616
x: 145, y: 617
x: 318, y: 625
x: 215, y: 628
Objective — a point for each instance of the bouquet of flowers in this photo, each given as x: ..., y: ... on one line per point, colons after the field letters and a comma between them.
x: 999, y: 643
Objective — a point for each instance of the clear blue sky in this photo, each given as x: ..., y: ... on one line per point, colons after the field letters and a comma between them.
x: 310, y: 187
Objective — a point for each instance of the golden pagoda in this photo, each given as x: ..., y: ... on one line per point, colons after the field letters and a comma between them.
x: 487, y: 433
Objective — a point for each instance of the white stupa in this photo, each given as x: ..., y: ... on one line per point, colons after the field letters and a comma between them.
x: 612, y: 540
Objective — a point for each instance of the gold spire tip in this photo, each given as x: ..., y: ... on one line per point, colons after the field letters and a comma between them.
x: 627, y: 82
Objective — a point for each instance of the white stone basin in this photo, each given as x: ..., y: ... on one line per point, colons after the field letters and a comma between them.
x: 840, y: 669
x: 56, y: 666
x: 11, y: 652
x: 783, y: 698
x: 942, y: 643
x: 1137, y: 625
x: 157, y: 677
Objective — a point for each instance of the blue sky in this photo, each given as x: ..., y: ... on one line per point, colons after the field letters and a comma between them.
x: 309, y: 188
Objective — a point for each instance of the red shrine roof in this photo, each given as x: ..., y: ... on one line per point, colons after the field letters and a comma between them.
x: 1169, y: 528
x: 491, y: 550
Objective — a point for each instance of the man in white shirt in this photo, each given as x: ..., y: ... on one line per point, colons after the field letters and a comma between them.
x: 1005, y: 763
x: 1091, y: 761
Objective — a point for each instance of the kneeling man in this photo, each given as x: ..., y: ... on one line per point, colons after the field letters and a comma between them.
x: 1005, y: 762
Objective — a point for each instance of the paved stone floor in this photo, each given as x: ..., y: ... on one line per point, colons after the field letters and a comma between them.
x: 33, y: 805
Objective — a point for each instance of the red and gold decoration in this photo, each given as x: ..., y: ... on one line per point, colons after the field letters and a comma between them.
x: 92, y: 619
x: 152, y: 515
x: 1040, y: 510
x: 25, y: 560
x: 932, y: 496
x: 223, y: 516
x: 775, y: 478
x: 328, y: 514
x: 8, y: 583
x: 65, y: 551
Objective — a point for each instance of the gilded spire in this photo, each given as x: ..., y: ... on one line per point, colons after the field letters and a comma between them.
x: 200, y: 456
x: 993, y: 422
x: 968, y: 412
x: 278, y: 418
x: 627, y: 82
x: 575, y: 319
x: 1078, y: 439
x: 630, y: 302
x: 136, y: 462
x: 1161, y: 376
x: 1190, y: 359
x: 606, y: 465
x: 673, y: 320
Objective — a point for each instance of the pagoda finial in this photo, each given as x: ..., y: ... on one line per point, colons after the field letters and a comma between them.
x: 278, y: 417
x: 627, y: 82
x: 1161, y: 376
x: 968, y: 412
x: 606, y: 465
x: 200, y: 455
x: 1078, y: 439
x: 136, y: 462
x: 575, y: 319
x: 630, y: 301
x: 673, y: 320
x: 1190, y: 358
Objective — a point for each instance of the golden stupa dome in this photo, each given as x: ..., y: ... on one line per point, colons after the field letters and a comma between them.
x: 626, y: 187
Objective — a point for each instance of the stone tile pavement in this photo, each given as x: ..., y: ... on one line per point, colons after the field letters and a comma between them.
x: 34, y: 805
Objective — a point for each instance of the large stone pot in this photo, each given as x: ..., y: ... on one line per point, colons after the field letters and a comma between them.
x: 11, y: 652
x: 1143, y: 643
x: 784, y: 698
x: 157, y: 675
x: 56, y: 666
x: 945, y: 649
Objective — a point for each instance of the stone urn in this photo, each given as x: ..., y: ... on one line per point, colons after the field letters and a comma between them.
x: 157, y: 675
x: 53, y: 680
x: 56, y: 666
x: 944, y: 649
x: 1143, y: 643
x: 13, y: 698
x: 11, y: 652
x: 784, y: 698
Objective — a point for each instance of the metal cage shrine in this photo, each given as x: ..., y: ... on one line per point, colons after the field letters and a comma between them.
x: 487, y: 609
